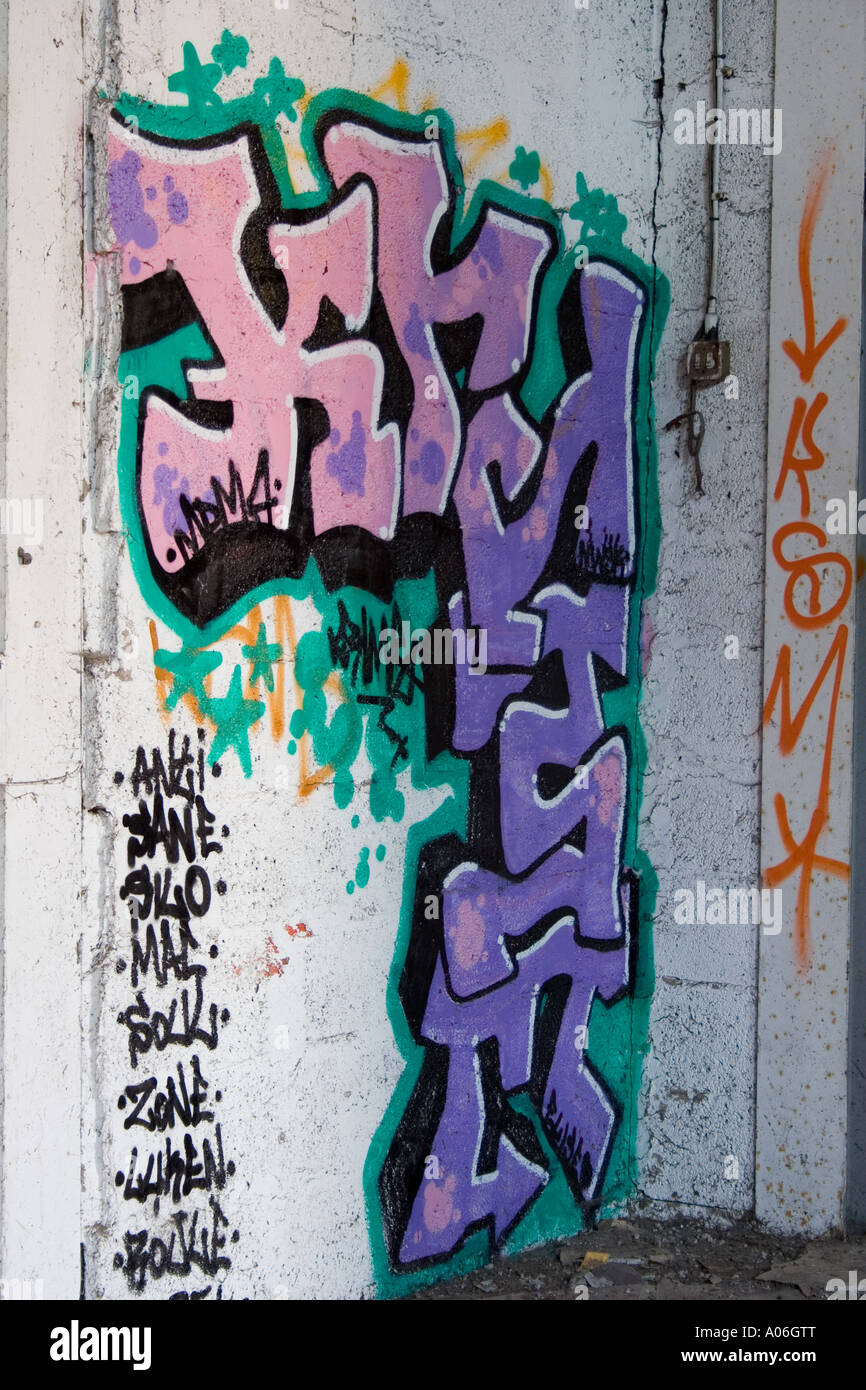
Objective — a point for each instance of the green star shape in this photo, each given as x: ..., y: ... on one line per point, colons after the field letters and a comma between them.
x: 262, y: 656
x: 196, y: 80
x: 231, y: 52
x: 277, y: 92
x: 598, y: 211
x: 525, y: 168
x: 188, y: 667
x: 233, y: 716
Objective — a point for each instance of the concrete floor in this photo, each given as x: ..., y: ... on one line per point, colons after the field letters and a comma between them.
x: 669, y: 1260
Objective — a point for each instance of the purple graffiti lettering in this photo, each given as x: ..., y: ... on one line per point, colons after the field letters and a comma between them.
x: 370, y: 380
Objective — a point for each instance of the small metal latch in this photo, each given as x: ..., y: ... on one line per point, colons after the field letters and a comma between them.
x: 708, y: 362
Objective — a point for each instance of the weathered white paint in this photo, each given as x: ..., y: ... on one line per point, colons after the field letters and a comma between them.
x: 803, y: 1015
x: 40, y: 759
x: 700, y: 711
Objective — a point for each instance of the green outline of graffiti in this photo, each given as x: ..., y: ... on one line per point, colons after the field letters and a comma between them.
x: 618, y: 1033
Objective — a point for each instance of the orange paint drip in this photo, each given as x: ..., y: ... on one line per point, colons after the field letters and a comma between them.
x: 162, y: 678
x: 485, y: 139
x: 396, y: 84
x: 806, y: 359
x: 163, y: 688
x: 282, y: 622
x: 246, y: 632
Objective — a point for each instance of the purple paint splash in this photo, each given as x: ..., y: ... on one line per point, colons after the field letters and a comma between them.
x: 126, y: 203
x: 348, y: 464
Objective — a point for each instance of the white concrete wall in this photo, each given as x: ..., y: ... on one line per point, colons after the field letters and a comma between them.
x: 42, y: 660
x: 701, y: 711
x: 803, y: 1075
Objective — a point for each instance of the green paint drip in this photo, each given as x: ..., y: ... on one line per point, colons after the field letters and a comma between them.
x: 298, y: 724
x: 344, y: 789
x: 525, y: 168
x: 362, y: 871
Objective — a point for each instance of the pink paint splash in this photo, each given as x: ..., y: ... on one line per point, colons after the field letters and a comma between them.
x: 608, y: 777
x: 647, y: 637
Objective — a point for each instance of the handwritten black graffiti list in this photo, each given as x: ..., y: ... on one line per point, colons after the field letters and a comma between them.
x: 178, y: 1167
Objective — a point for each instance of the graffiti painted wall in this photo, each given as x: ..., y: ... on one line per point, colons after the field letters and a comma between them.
x: 384, y: 691
x: 386, y: 476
